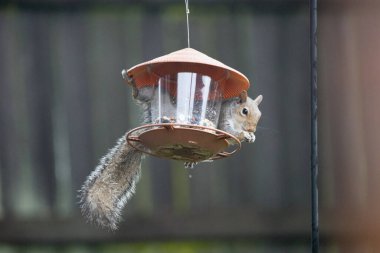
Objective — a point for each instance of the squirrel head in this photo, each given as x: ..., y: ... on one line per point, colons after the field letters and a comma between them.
x: 247, y: 113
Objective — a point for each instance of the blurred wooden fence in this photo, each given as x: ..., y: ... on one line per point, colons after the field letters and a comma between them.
x: 63, y: 104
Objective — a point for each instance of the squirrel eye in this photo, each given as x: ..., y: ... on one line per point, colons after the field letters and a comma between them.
x: 244, y: 111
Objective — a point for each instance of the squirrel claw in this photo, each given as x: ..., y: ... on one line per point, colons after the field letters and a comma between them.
x: 190, y: 165
x: 249, y: 137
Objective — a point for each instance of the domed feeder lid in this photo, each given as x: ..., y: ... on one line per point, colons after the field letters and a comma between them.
x: 190, y: 60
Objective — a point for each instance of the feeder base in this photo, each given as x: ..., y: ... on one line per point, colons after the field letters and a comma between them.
x: 189, y: 143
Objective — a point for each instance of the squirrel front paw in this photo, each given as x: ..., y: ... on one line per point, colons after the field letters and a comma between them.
x: 249, y: 137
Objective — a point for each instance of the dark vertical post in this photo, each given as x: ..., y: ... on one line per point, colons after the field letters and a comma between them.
x: 314, y: 127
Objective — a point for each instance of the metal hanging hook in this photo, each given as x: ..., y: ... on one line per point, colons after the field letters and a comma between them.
x: 187, y: 22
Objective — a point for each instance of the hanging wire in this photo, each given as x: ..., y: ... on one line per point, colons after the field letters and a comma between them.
x: 314, y: 128
x: 187, y: 21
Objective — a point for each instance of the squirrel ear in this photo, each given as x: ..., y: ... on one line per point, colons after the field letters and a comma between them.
x: 259, y: 99
x: 243, y: 96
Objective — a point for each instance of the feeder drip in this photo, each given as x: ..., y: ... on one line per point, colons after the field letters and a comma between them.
x: 187, y: 22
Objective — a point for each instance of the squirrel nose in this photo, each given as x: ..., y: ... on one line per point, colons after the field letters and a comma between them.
x: 251, y: 129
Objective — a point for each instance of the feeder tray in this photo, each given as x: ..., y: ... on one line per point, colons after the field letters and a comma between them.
x: 185, y: 90
x: 183, y: 142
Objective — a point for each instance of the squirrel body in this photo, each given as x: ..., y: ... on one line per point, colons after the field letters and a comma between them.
x: 108, y: 188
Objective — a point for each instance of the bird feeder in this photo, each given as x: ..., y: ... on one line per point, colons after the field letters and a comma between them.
x: 184, y: 90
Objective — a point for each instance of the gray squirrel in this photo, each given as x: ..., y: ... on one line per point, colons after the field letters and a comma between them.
x: 108, y: 188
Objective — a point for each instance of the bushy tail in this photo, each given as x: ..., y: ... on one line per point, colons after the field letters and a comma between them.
x: 108, y: 188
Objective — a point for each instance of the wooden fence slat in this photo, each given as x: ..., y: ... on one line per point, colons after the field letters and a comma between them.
x: 40, y: 106
x: 327, y: 150
x: 160, y: 169
x: 8, y: 148
x: 267, y: 172
x: 339, y: 119
x: 295, y: 94
x: 368, y: 41
x: 29, y: 198
x: 247, y: 224
x: 354, y: 147
x: 75, y: 97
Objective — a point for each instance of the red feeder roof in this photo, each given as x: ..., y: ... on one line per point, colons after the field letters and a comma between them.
x: 190, y: 60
